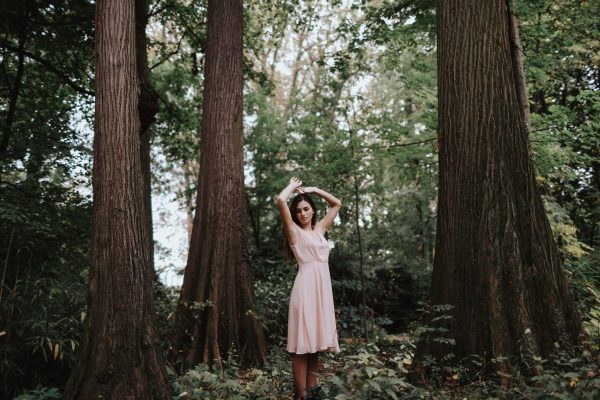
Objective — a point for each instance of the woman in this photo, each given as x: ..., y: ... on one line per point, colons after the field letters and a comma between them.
x: 311, y: 320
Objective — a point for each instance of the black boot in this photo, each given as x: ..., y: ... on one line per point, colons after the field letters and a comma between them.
x: 312, y: 393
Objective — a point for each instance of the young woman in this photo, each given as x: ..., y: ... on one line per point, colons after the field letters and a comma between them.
x: 311, y: 319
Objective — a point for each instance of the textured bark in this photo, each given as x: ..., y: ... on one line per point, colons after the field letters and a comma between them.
x: 214, y: 310
x: 517, y: 59
x: 119, y: 356
x: 495, y: 262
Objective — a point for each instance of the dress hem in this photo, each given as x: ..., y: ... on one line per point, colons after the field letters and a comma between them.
x: 330, y: 349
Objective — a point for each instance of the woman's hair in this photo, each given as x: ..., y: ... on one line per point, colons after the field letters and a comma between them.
x: 294, y: 205
x: 289, y: 255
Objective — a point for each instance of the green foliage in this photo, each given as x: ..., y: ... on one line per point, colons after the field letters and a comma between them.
x: 203, y: 383
x: 46, y: 59
x: 581, y: 262
x: 52, y: 92
x: 44, y: 231
x: 272, y: 288
x: 367, y: 372
x: 585, y: 283
x: 272, y: 382
x: 564, y: 377
x: 41, y: 393
x: 378, y: 370
x: 561, y: 44
x: 165, y: 304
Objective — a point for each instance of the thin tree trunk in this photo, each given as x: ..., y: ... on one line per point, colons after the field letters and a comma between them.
x: 359, y: 237
x: 254, y: 218
x: 214, y: 314
x: 296, y: 67
x: 119, y: 356
x: 496, y: 262
x: 361, y: 259
x: 190, y: 172
x: 14, y: 95
x: 147, y: 108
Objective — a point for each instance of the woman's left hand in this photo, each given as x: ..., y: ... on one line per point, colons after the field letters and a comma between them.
x: 306, y: 189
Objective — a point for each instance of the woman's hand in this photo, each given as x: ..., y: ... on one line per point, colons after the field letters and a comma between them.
x: 295, y: 183
x: 307, y: 189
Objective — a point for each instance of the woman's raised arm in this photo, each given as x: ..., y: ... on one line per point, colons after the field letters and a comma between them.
x: 289, y: 226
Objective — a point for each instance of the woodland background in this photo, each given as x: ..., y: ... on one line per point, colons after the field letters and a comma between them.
x: 342, y: 94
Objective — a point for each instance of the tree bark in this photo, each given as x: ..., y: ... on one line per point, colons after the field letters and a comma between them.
x: 495, y: 261
x: 517, y: 59
x: 214, y: 313
x: 119, y: 356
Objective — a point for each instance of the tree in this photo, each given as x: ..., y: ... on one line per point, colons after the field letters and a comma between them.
x: 147, y: 108
x: 215, y: 309
x: 119, y: 355
x: 495, y: 263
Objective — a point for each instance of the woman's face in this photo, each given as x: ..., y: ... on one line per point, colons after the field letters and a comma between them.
x: 304, y: 213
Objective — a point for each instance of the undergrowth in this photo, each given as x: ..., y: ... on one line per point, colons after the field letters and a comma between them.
x: 378, y: 370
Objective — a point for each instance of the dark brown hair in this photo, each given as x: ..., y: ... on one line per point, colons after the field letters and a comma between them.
x: 294, y: 204
x: 289, y: 254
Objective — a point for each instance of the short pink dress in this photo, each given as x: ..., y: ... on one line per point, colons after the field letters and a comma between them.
x: 311, y: 318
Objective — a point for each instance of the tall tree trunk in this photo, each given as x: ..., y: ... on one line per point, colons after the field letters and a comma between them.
x: 214, y: 313
x: 254, y: 215
x: 147, y: 108
x: 495, y: 260
x: 361, y: 260
x: 14, y: 92
x: 190, y: 173
x: 119, y: 356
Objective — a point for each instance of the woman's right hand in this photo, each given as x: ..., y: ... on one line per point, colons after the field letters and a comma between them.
x: 295, y: 183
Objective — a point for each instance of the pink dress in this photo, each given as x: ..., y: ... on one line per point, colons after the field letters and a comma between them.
x: 311, y: 318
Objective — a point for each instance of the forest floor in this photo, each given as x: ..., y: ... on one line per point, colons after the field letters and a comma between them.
x: 378, y: 370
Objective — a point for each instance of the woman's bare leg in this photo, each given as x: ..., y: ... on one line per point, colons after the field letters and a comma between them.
x: 313, y: 368
x: 299, y: 369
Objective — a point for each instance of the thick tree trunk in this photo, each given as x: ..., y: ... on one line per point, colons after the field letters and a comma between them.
x: 119, y: 356
x: 495, y: 260
x: 214, y: 314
